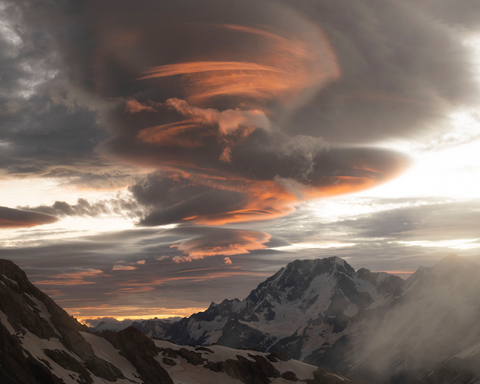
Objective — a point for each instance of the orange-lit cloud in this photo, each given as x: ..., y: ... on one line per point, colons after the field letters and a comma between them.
x: 228, y: 120
x: 133, y: 106
x: 170, y: 135
x: 231, y: 127
x: 225, y: 243
x: 118, y: 267
x: 200, y: 277
x: 73, y: 278
x: 224, y: 135
x: 282, y: 70
x: 204, y: 66
x: 269, y: 199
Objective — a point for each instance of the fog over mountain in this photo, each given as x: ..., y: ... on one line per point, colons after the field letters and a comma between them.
x: 374, y: 327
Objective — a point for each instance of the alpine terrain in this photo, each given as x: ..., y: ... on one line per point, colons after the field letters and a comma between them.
x: 374, y: 327
x: 41, y: 344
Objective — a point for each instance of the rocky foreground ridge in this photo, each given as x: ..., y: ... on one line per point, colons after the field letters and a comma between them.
x: 41, y: 344
x: 374, y: 327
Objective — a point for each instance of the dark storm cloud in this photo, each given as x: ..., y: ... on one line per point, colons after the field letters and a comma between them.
x: 35, y: 141
x: 247, y: 105
x: 242, y: 110
x: 16, y: 218
x: 83, y: 207
x: 208, y: 203
x: 402, y: 70
x: 46, y: 121
x: 265, y: 184
x: 210, y: 109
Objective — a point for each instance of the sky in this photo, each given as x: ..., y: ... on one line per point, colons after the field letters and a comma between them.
x: 158, y: 156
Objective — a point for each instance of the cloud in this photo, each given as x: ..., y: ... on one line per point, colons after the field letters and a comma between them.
x: 460, y: 15
x: 133, y: 106
x: 241, y: 112
x: 228, y: 261
x: 73, y: 278
x: 175, y: 286
x: 441, y: 221
x: 281, y: 109
x: 115, y: 206
x: 118, y: 267
x: 221, y: 242
x: 16, y: 218
x: 265, y: 185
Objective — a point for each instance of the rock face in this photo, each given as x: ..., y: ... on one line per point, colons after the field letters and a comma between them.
x: 141, y: 351
x: 373, y: 326
x: 218, y: 364
x: 323, y: 295
x: 41, y: 344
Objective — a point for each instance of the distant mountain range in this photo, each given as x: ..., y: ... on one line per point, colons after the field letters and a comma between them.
x: 112, y: 324
x: 374, y: 327
x: 41, y: 344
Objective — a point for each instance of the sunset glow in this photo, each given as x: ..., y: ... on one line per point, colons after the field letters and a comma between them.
x: 159, y: 157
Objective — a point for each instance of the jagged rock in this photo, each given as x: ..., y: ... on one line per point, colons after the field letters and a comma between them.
x: 141, y: 351
x: 287, y: 312
x: 29, y: 322
x: 372, y: 325
x: 103, y: 369
x: 41, y: 344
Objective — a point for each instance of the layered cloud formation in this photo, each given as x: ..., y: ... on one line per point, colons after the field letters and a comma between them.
x: 219, y: 116
x: 16, y: 218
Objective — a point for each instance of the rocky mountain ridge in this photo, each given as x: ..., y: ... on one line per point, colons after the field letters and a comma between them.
x: 41, y: 344
x: 375, y: 327
x: 323, y: 290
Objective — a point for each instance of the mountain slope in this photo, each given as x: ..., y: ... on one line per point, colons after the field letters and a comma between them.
x: 431, y: 331
x: 325, y: 292
x: 41, y: 344
x: 373, y: 326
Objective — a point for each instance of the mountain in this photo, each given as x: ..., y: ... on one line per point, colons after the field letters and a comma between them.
x: 323, y: 293
x: 155, y: 327
x: 41, y: 344
x: 110, y: 323
x: 148, y: 327
x: 431, y: 332
x: 374, y: 327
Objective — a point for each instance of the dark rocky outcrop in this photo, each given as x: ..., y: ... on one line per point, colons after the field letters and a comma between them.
x: 17, y: 367
x: 249, y: 372
x: 29, y: 310
x: 140, y: 351
x: 30, y: 321
x: 103, y: 369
